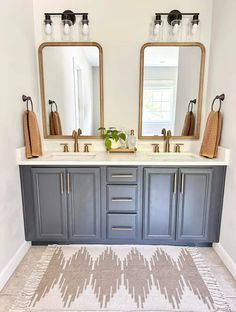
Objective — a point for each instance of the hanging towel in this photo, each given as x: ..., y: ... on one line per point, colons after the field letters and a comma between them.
x: 189, y: 124
x: 33, y: 145
x: 212, y: 135
x: 55, y: 123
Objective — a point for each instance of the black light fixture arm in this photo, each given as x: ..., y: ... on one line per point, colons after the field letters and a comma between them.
x: 66, y: 15
x: 177, y: 15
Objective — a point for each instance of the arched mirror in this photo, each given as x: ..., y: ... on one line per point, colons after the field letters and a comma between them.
x: 71, y: 81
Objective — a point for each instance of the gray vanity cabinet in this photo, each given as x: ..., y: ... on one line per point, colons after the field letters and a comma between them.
x: 160, y: 194
x: 49, y: 203
x: 194, y: 204
x: 83, y: 189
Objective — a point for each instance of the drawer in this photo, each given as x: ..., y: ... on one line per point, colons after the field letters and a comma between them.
x: 122, y: 175
x: 121, y: 226
x: 121, y: 197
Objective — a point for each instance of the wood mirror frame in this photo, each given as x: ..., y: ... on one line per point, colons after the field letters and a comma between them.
x: 42, y: 86
x: 200, y: 89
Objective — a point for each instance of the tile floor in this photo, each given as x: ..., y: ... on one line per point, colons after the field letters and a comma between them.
x: 17, y: 281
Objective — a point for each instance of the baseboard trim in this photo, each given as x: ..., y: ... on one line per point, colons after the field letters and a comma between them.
x: 7, y: 271
x: 225, y: 257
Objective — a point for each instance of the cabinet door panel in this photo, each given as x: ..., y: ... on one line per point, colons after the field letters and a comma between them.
x: 194, y: 203
x: 160, y: 188
x: 50, y: 203
x: 84, y: 203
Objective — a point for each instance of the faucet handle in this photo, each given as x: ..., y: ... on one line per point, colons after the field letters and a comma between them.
x: 86, y: 147
x: 156, y: 147
x: 178, y: 147
x: 65, y: 149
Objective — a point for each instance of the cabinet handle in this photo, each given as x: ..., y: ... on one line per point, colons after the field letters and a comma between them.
x: 116, y: 199
x: 62, y: 183
x: 174, y: 183
x: 122, y: 176
x: 68, y: 183
x: 122, y: 228
x: 182, y: 183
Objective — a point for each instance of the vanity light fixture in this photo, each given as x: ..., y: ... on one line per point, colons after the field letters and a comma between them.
x: 68, y: 20
x: 158, y: 28
x: 174, y: 19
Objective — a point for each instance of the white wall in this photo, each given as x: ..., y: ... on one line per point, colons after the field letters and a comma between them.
x: 222, y: 78
x: 18, y: 76
x: 122, y: 27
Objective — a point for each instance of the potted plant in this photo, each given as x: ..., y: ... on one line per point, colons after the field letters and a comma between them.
x: 113, y: 138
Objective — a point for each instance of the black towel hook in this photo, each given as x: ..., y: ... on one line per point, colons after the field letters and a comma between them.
x: 221, y: 98
x: 51, y: 103
x: 190, y: 105
x: 28, y: 99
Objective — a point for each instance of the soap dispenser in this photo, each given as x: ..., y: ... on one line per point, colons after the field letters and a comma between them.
x: 132, y: 140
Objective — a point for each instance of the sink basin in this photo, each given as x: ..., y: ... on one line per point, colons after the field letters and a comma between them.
x: 173, y: 156
x: 71, y: 156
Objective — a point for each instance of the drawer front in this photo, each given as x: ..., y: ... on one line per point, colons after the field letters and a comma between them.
x: 121, y: 226
x: 122, y: 175
x: 121, y: 197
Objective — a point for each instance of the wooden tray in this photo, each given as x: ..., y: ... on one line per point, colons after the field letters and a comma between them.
x: 122, y: 150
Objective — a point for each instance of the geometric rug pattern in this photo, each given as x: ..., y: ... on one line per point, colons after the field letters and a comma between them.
x: 124, y: 278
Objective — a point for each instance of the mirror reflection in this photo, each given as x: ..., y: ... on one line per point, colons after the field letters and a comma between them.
x: 72, y: 89
x: 170, y: 99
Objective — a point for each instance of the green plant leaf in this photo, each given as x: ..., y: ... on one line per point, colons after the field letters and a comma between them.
x: 108, y: 144
x: 123, y: 136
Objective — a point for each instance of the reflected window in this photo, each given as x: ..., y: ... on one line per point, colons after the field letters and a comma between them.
x: 158, y: 106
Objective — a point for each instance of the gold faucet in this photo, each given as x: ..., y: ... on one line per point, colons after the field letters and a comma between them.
x: 75, y: 136
x: 166, y: 136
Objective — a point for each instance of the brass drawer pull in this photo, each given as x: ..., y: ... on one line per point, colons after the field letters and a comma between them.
x: 182, y: 183
x: 122, y: 199
x: 122, y: 228
x: 122, y: 176
x: 68, y: 183
x: 174, y: 183
x: 62, y: 183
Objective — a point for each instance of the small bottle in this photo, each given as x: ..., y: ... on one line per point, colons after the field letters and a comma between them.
x: 132, y: 139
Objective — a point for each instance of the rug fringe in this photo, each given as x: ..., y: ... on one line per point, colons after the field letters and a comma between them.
x: 24, y: 298
x: 217, y: 295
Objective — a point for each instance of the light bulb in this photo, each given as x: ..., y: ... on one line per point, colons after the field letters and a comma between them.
x: 157, y: 29
x: 175, y: 29
x: 48, y: 29
x: 85, y: 29
x: 194, y: 29
x: 66, y: 29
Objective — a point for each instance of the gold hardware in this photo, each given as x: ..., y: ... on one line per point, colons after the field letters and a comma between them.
x: 65, y: 149
x: 175, y: 183
x: 122, y: 176
x: 166, y: 136
x: 86, y: 147
x: 178, y: 147
x: 122, y: 150
x: 114, y: 228
x: 182, y: 183
x: 62, y: 183
x: 156, y: 148
x: 68, y: 183
x: 128, y: 199
x: 75, y: 136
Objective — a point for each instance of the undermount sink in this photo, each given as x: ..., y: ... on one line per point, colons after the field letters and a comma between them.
x: 173, y: 156
x: 71, y: 156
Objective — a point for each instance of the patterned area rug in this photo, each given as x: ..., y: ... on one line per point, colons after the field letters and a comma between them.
x: 120, y: 278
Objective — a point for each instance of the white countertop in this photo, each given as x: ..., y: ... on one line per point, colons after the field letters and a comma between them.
x: 100, y: 158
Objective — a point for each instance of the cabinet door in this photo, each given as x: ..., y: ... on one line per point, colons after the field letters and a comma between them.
x: 83, y: 188
x: 194, y: 204
x: 160, y: 191
x: 50, y: 203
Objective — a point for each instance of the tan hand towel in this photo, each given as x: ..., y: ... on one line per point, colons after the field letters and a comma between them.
x: 212, y: 135
x: 55, y: 124
x: 33, y: 145
x: 189, y: 124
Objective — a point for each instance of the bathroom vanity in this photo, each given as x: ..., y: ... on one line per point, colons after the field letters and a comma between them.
x: 139, y: 199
